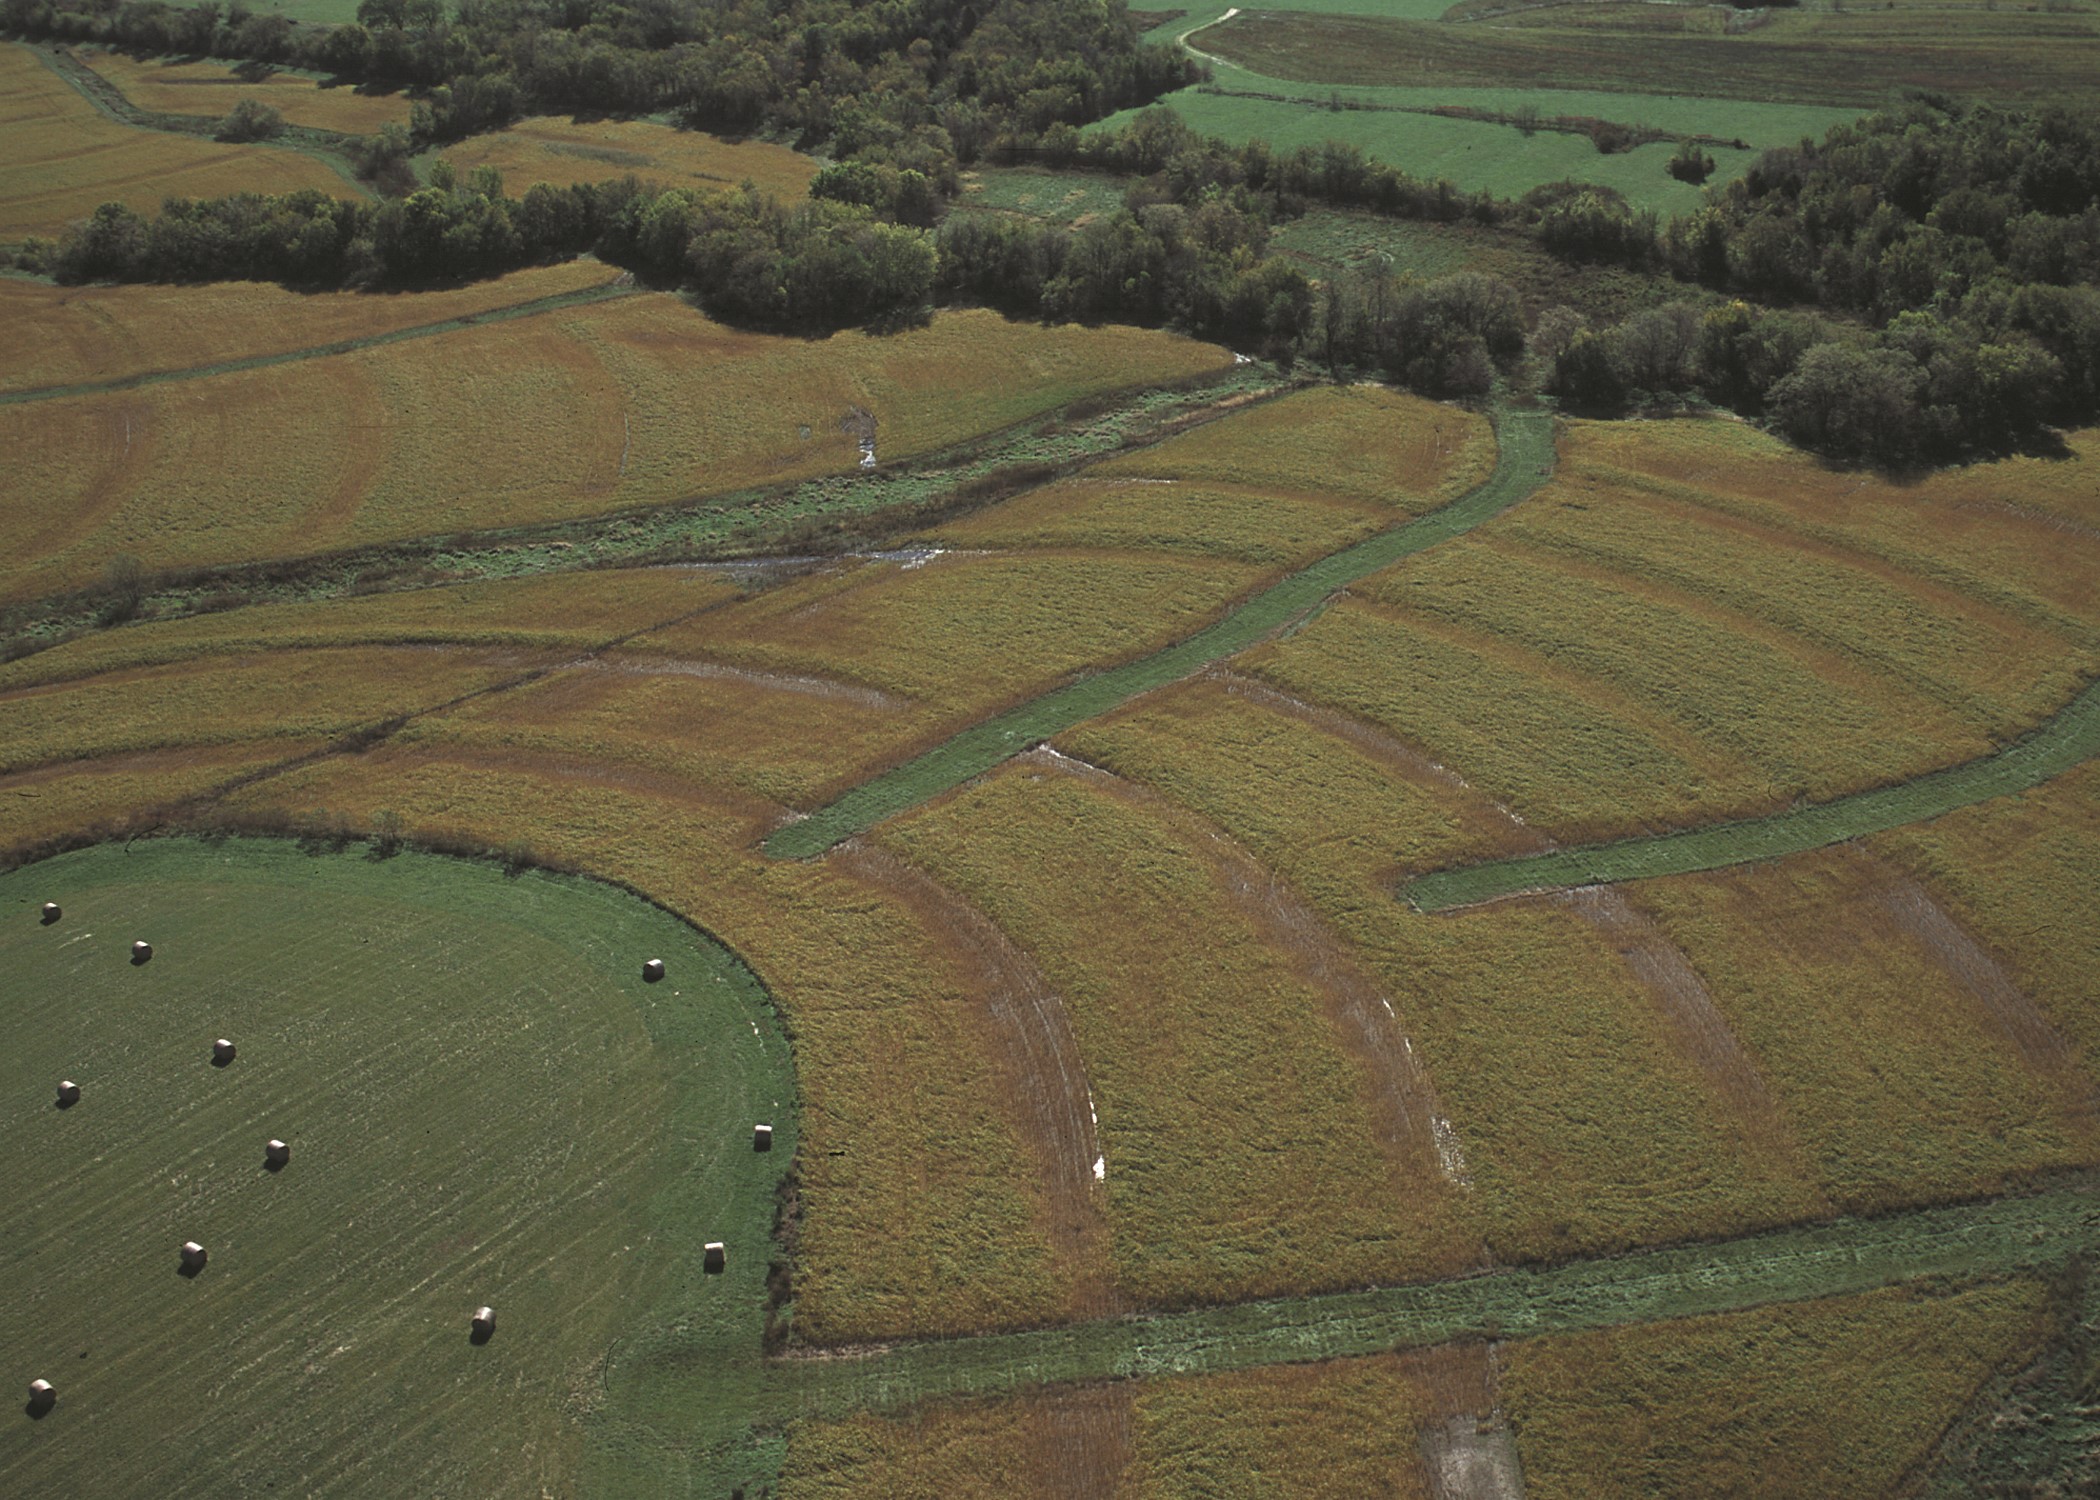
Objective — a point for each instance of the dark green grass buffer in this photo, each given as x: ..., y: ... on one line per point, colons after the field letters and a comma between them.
x: 2067, y: 740
x: 491, y: 1109
x: 1523, y: 460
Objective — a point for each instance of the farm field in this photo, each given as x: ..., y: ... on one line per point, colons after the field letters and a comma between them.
x: 184, y: 86
x: 634, y: 402
x: 68, y: 337
x: 67, y: 157
x: 359, y: 993
x: 550, y: 149
x: 1810, y: 57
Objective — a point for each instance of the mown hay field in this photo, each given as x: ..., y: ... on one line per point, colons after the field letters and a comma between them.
x: 190, y: 86
x: 547, y: 148
x: 1690, y: 623
x: 65, y: 157
x: 72, y: 335
x: 1847, y: 1396
x: 638, y: 401
x: 576, y: 1135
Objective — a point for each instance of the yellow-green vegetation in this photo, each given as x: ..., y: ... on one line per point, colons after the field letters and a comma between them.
x: 187, y: 86
x: 1281, y: 483
x: 71, y: 335
x: 634, y: 402
x: 289, y: 695
x: 106, y: 797
x: 1237, y: 1132
x: 1915, y: 1086
x: 563, y: 611
x: 2017, y: 873
x: 1583, y: 1124
x: 65, y: 157
x: 1691, y: 623
x: 1833, y: 1398
x: 549, y: 149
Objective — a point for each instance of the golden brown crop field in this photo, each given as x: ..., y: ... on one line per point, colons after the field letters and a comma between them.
x: 1690, y: 623
x: 65, y: 157
x: 1841, y: 1397
x: 101, y: 797
x: 1221, y: 1080
x: 921, y: 1208
x: 187, y: 86
x: 1369, y: 455
x: 634, y: 402
x: 68, y: 335
x: 547, y: 148
x: 1589, y: 1113
x: 2017, y: 873
x: 1933, y: 1077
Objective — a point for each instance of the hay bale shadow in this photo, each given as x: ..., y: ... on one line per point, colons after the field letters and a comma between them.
x: 189, y: 1272
x: 479, y: 1336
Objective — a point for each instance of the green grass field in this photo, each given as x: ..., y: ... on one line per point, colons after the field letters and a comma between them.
x: 485, y: 1104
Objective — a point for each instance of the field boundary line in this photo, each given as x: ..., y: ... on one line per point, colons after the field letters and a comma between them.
x: 2066, y: 739
x: 329, y: 147
x: 1523, y: 460
x: 554, y: 302
x: 1848, y: 1256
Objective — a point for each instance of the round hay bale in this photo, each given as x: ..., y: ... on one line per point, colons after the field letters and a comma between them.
x: 51, y: 912
x: 761, y: 1138
x: 484, y: 1322
x: 222, y: 1052
x: 193, y: 1256
x: 276, y: 1152
x: 141, y: 951
x: 41, y: 1396
x: 68, y: 1094
x: 653, y: 970
x: 714, y: 1256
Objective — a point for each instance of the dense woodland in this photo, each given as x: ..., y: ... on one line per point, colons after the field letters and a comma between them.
x: 1918, y: 285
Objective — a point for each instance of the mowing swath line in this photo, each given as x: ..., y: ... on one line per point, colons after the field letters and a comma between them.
x: 1526, y: 452
x: 558, y: 302
x: 1852, y: 1255
x: 2070, y: 737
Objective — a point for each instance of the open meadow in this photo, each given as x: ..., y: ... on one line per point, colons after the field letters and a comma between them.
x: 187, y: 86
x: 65, y: 157
x: 576, y: 1135
x: 558, y: 151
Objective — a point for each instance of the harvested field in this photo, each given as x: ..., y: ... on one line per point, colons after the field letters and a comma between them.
x: 1584, y: 1109
x: 639, y: 401
x: 1922, y: 1083
x: 187, y: 86
x: 63, y: 336
x: 568, y: 1154
x: 921, y: 1205
x: 547, y: 148
x: 65, y: 157
x: 1221, y: 1085
x: 1845, y: 1396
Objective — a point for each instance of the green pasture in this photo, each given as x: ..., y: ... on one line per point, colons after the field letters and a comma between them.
x: 1526, y: 454
x: 313, y: 12
x: 2066, y: 740
x: 1059, y: 197
x: 1391, y: 125
x: 485, y: 1104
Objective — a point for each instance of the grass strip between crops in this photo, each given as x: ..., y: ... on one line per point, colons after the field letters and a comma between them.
x: 2066, y: 740
x: 1851, y: 1255
x: 1525, y: 457
x: 558, y: 302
